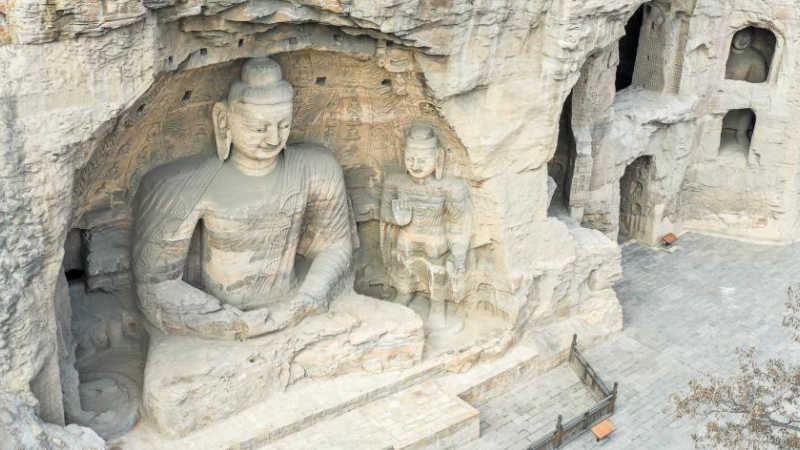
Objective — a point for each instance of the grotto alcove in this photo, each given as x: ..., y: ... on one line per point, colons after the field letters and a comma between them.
x: 629, y: 48
x: 635, y: 221
x: 738, y: 126
x: 561, y: 168
x: 751, y: 55
x: 360, y: 106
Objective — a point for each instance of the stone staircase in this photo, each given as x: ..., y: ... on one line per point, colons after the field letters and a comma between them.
x: 421, y: 417
x: 424, y: 407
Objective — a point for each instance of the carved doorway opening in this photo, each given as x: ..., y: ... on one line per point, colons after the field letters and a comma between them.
x: 562, y: 166
x: 738, y: 126
x: 629, y: 48
x: 634, y: 205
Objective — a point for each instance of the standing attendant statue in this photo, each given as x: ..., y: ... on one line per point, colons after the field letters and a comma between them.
x: 426, y: 227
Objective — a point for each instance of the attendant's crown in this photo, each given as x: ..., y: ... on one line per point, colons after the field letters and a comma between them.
x: 421, y: 136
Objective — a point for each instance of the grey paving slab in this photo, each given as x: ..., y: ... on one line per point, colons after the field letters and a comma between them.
x: 685, y: 315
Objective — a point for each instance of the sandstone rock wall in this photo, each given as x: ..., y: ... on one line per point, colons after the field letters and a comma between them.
x: 498, y: 73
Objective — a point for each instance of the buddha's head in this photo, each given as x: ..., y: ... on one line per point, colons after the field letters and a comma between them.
x: 257, y: 116
x: 423, y: 155
x: 742, y: 39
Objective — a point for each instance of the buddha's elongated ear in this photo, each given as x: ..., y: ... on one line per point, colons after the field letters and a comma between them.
x: 222, y: 129
x: 439, y: 167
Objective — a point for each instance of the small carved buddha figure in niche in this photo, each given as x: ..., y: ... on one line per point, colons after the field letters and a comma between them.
x: 745, y: 62
x: 737, y: 131
x: 426, y: 227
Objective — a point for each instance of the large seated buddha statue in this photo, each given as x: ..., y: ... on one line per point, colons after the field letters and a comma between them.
x: 243, y: 268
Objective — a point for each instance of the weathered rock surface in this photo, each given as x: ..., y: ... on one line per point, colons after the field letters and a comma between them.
x: 95, y: 94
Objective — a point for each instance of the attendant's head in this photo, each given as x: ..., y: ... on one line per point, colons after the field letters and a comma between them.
x: 257, y: 116
x: 423, y: 155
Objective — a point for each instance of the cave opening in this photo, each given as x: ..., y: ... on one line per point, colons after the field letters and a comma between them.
x: 561, y: 167
x: 629, y: 48
x: 634, y: 199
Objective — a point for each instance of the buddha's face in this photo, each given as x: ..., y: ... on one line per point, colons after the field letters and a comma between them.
x: 742, y: 39
x: 420, y: 160
x: 260, y: 132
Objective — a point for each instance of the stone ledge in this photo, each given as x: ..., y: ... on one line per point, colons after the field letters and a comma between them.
x: 313, y: 402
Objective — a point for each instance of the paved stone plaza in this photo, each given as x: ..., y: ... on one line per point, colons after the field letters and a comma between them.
x: 685, y: 315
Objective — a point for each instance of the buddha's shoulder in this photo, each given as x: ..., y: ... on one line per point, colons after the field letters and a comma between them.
x: 185, y: 172
x: 311, y: 155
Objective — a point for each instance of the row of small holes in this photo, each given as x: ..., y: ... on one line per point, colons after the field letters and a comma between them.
x: 321, y: 81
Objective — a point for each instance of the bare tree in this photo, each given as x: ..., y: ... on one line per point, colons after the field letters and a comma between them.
x: 757, y: 409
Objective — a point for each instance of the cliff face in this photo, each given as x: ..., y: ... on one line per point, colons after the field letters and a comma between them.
x: 497, y: 73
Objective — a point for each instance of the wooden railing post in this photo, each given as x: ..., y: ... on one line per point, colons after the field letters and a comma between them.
x: 573, y: 347
x: 614, y: 397
x: 559, y: 433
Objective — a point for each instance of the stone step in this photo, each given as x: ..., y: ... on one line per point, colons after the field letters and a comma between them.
x: 379, y: 402
x: 490, y: 379
x: 299, y: 408
x: 423, y: 417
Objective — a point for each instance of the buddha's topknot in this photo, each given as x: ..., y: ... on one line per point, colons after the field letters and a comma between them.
x: 261, y: 83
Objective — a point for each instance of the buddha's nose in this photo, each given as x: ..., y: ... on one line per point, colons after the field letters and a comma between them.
x: 271, y: 137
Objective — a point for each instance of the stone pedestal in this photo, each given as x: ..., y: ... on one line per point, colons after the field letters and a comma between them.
x: 192, y: 382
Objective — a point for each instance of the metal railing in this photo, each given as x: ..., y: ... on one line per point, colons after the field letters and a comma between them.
x: 570, y: 430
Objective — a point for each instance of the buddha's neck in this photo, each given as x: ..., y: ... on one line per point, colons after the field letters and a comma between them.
x: 253, y: 167
x: 424, y: 180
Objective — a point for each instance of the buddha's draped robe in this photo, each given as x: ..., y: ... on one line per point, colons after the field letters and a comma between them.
x: 248, y: 247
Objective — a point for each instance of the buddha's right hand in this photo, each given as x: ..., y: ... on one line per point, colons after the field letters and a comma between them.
x: 258, y: 322
x: 233, y: 323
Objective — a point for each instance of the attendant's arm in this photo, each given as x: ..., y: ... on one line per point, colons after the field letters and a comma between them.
x: 388, y: 194
x: 459, y: 223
